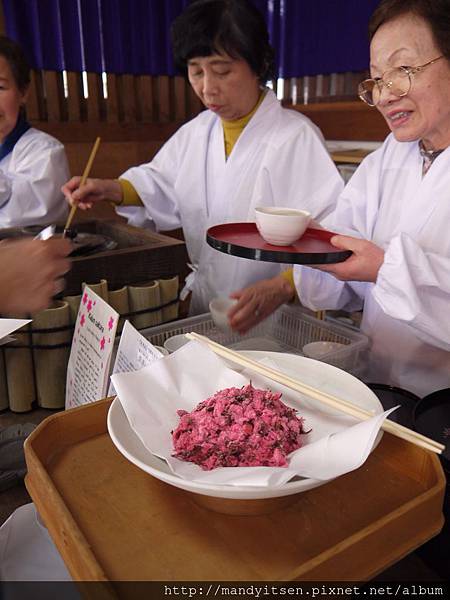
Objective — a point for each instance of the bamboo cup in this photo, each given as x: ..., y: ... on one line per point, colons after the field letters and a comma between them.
x: 51, y: 364
x: 118, y: 299
x: 169, y: 292
x: 74, y: 306
x: 4, y: 401
x: 143, y: 297
x: 20, y: 372
x: 100, y: 288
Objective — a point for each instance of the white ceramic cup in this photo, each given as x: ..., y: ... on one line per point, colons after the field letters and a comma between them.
x: 219, y: 308
x: 163, y: 351
x: 281, y: 226
x: 318, y: 349
x: 175, y: 342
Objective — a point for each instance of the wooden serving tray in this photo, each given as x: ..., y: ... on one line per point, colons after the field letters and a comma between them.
x: 111, y: 521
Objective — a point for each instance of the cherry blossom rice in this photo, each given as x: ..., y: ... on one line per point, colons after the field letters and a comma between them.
x: 238, y: 427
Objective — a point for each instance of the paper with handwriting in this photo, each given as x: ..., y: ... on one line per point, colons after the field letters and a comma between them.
x: 134, y: 353
x: 92, y: 346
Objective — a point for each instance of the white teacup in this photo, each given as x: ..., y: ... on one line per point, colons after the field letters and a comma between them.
x: 219, y: 308
x: 318, y: 349
x: 281, y: 226
x: 175, y: 342
x: 163, y: 351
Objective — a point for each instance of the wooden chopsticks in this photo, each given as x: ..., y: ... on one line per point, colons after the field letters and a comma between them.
x: 328, y: 399
x: 82, y: 182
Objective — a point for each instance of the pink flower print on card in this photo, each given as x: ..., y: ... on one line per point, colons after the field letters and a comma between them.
x: 102, y: 343
x: 110, y: 323
x: 82, y: 320
x: 89, y: 306
x: 85, y: 298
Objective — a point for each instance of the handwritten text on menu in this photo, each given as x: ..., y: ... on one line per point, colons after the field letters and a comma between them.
x: 92, y: 345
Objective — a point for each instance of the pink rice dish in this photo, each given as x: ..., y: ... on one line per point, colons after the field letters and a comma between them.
x: 238, y: 427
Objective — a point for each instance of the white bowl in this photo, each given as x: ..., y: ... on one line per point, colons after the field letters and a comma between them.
x: 332, y: 381
x: 318, y: 349
x: 219, y: 308
x: 175, y: 342
x: 281, y: 226
x: 163, y: 351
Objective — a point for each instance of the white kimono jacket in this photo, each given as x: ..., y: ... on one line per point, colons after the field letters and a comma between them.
x: 407, y: 311
x: 31, y: 176
x: 279, y: 159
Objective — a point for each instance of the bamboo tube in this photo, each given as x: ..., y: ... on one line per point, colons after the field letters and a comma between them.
x: 20, y: 372
x: 51, y: 364
x: 4, y: 401
x: 143, y: 297
x: 169, y: 292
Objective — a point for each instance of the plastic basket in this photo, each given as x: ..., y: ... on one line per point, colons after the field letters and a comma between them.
x: 288, y: 329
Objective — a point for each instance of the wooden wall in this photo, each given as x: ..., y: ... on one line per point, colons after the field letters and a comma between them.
x: 134, y: 115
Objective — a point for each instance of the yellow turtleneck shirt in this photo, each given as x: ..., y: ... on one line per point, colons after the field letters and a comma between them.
x: 231, y: 132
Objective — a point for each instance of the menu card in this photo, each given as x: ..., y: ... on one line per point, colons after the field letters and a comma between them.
x: 92, y: 346
x: 7, y: 326
x: 134, y: 353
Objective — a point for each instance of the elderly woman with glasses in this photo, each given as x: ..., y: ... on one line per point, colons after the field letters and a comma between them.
x: 395, y: 211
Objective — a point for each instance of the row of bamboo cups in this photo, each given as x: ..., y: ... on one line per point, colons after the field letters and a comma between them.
x: 30, y: 374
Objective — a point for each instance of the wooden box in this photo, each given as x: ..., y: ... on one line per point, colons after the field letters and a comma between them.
x: 113, y: 522
x: 140, y: 256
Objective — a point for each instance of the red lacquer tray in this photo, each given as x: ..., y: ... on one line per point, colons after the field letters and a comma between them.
x: 243, y: 239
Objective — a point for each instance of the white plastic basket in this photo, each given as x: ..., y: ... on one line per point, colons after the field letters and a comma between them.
x: 288, y: 329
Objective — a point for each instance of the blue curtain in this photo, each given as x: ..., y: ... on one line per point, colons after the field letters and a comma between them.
x: 132, y: 36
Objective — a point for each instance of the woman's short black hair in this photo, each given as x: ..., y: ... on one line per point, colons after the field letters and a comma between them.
x: 17, y: 61
x: 434, y: 12
x: 233, y: 27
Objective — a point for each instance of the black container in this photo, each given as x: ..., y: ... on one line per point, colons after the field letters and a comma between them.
x: 431, y: 417
x: 392, y: 396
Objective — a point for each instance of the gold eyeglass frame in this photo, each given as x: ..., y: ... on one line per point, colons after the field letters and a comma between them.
x: 380, y: 83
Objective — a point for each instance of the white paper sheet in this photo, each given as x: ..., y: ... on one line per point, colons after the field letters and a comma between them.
x: 151, y: 397
x: 90, y: 355
x: 134, y: 353
x: 7, y: 326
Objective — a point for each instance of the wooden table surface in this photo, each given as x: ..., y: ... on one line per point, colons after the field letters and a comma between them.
x: 113, y: 522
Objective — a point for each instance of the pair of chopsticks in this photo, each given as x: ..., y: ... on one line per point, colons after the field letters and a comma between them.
x: 82, y: 182
x: 328, y: 399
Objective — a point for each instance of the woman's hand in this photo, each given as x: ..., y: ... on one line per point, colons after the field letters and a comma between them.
x: 31, y: 273
x: 364, y: 263
x: 91, y: 192
x: 256, y: 302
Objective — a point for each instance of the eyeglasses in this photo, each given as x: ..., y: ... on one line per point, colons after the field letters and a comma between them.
x: 398, y: 81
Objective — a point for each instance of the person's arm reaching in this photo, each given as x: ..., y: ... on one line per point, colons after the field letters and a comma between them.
x: 31, y: 274
x: 256, y: 302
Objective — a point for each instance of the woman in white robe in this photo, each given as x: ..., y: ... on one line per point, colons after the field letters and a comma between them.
x: 395, y: 211
x: 194, y: 182
x: 33, y: 165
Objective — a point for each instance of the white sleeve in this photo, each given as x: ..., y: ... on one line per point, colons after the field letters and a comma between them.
x: 413, y: 286
x: 155, y: 184
x: 303, y: 174
x: 30, y: 189
x: 352, y: 216
x: 321, y: 291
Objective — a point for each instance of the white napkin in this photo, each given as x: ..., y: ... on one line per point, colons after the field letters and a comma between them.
x: 7, y: 326
x: 151, y: 397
